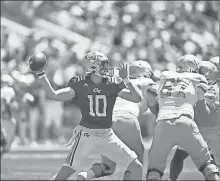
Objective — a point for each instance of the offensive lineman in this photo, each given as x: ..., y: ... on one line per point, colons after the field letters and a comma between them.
x: 125, y: 118
x: 95, y: 94
x: 208, y: 122
x: 177, y: 94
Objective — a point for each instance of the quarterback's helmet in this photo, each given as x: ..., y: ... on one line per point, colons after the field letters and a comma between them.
x: 140, y: 68
x: 96, y: 62
x: 215, y: 61
x: 209, y: 71
x: 187, y: 63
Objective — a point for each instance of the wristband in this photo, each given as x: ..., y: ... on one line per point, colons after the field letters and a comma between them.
x: 126, y: 80
x: 41, y: 74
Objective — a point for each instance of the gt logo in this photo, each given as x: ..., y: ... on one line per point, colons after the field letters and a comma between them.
x: 97, y: 90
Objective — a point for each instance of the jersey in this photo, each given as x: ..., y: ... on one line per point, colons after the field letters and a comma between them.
x: 212, y: 119
x: 178, y: 96
x: 123, y: 106
x: 96, y: 101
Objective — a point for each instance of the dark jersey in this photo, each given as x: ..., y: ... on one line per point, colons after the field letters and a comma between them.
x: 96, y: 101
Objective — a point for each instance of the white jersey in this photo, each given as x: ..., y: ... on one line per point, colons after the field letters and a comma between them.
x: 123, y: 106
x: 212, y: 119
x: 178, y: 97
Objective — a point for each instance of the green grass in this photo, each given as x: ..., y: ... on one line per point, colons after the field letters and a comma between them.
x: 41, y: 165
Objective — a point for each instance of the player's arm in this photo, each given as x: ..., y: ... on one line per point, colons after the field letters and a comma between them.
x: 63, y: 94
x: 152, y: 98
x: 131, y: 93
x: 37, y: 63
x: 202, y: 87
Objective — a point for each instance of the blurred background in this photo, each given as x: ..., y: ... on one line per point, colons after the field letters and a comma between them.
x: 158, y: 32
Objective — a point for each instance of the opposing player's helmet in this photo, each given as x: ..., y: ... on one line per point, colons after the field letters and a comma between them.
x: 209, y: 70
x: 187, y: 63
x: 96, y: 62
x: 215, y: 61
x: 140, y: 68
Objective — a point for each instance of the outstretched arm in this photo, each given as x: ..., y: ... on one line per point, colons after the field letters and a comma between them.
x: 64, y: 94
x: 152, y: 102
x: 131, y: 93
x: 201, y: 105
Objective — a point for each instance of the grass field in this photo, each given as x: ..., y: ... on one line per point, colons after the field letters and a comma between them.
x: 42, y: 163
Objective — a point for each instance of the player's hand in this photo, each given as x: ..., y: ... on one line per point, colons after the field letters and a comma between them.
x: 123, y: 70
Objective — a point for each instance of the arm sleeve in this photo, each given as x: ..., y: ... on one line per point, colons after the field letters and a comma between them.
x: 74, y: 84
x: 117, y: 87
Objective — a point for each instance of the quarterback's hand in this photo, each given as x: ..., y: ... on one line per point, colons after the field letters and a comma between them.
x: 123, y: 70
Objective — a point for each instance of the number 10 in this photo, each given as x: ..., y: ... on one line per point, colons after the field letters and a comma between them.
x: 97, y: 112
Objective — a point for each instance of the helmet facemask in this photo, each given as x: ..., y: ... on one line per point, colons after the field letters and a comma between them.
x: 97, y: 63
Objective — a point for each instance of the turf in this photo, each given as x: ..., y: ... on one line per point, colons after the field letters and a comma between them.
x: 41, y: 164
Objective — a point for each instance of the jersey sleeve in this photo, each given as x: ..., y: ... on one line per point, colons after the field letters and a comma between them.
x: 117, y: 85
x: 74, y: 83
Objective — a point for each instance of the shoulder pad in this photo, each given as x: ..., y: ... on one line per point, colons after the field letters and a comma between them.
x: 168, y: 74
x: 78, y: 78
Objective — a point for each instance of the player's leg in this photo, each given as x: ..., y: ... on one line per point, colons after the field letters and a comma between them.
x: 82, y: 147
x: 118, y: 152
x: 215, y: 147
x: 133, y: 140
x: 163, y: 141
x: 105, y: 168
x: 194, y: 144
x: 212, y: 136
x: 176, y: 164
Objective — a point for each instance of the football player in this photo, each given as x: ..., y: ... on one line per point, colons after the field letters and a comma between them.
x: 125, y: 119
x: 178, y: 92
x: 208, y: 122
x: 96, y: 94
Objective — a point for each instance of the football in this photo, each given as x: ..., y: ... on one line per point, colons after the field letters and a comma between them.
x: 37, y: 61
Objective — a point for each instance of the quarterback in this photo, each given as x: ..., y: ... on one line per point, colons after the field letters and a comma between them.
x: 178, y: 92
x: 207, y: 121
x: 95, y: 94
x: 125, y: 118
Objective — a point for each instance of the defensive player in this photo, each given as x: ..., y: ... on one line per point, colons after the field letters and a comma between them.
x: 95, y: 94
x: 177, y: 94
x: 208, y: 123
x: 125, y: 119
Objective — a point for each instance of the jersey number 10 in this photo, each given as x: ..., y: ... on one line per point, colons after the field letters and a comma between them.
x: 94, y: 105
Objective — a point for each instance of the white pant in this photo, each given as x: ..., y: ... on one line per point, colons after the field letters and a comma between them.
x: 99, y: 141
x: 212, y: 136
